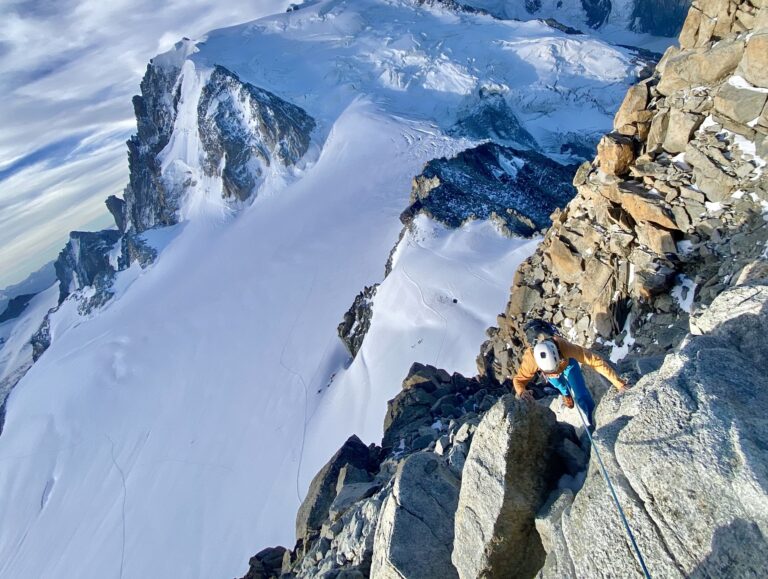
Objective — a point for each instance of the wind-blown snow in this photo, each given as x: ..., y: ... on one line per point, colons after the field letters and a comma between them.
x: 174, y: 432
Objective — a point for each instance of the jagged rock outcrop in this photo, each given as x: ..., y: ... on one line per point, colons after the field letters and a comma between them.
x: 116, y: 207
x: 357, y: 320
x: 375, y: 524
x: 519, y: 188
x: 247, y: 131
x: 85, y: 261
x: 702, y: 509
x: 147, y: 202
x: 324, y: 487
x: 414, y: 535
x: 504, y: 482
x: 492, y: 118
x: 416, y: 474
x: 135, y: 249
x: 245, y: 134
x: 430, y: 399
x: 266, y: 563
x: 681, y: 174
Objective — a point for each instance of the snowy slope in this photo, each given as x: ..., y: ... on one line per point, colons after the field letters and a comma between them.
x: 15, y: 346
x: 175, y: 430
x: 416, y: 319
x: 191, y: 384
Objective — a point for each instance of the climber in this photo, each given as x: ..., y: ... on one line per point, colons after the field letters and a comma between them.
x: 558, y: 360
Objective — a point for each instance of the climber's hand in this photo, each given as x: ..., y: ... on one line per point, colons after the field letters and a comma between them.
x: 526, y: 395
x: 623, y: 387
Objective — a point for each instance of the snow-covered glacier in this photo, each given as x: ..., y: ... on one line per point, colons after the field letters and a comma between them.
x: 172, y: 426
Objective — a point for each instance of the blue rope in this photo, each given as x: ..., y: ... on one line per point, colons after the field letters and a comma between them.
x: 610, y: 486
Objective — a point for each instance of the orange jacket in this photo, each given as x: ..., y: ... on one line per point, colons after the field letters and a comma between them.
x: 528, y: 366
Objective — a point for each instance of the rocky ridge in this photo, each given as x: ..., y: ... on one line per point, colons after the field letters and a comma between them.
x: 517, y: 188
x: 674, y: 200
x: 394, y: 510
x: 660, y: 258
x: 657, y: 17
x: 357, y: 320
x: 246, y: 133
x: 15, y: 307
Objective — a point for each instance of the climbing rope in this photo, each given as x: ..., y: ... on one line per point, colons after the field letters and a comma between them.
x: 610, y: 487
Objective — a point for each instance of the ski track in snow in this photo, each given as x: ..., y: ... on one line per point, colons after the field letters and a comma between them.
x: 299, y: 313
x: 430, y: 308
x: 125, y: 496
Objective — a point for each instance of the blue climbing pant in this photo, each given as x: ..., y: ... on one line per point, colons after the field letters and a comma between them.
x: 573, y: 378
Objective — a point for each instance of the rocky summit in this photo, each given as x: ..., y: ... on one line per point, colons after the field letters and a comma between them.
x: 517, y: 188
x: 659, y: 262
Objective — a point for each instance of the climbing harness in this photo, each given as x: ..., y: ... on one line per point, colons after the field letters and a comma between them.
x: 610, y: 487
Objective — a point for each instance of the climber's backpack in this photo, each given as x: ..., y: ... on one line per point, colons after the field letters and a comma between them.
x: 538, y: 330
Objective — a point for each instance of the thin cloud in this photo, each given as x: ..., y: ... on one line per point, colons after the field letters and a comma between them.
x: 51, y: 153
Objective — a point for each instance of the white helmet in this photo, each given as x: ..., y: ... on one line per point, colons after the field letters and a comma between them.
x: 547, y: 356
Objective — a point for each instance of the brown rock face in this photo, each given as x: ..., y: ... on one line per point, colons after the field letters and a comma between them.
x: 740, y: 104
x: 701, y: 66
x: 657, y: 131
x: 634, y: 104
x: 597, y: 277
x: 668, y: 174
x: 565, y: 263
x: 655, y: 238
x: 615, y: 153
x: 754, y: 65
x: 680, y: 129
x: 689, y: 35
x: 640, y: 203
